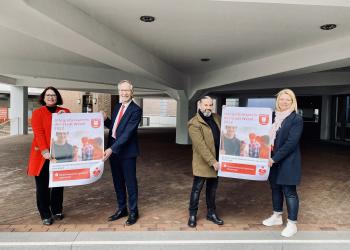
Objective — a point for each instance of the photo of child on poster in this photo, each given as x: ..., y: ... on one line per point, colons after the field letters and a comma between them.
x: 75, y: 147
x: 248, y: 143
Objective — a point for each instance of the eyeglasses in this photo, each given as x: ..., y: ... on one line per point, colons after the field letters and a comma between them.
x: 124, y: 90
x: 48, y: 95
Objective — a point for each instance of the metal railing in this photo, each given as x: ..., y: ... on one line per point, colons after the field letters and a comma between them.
x: 5, y: 127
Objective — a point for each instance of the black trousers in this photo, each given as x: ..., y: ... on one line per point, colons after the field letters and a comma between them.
x: 198, y: 182
x: 48, y: 200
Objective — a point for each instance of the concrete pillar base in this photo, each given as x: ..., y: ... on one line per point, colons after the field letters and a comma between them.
x: 18, y: 110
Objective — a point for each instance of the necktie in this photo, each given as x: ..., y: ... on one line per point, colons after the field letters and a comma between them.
x: 121, y: 113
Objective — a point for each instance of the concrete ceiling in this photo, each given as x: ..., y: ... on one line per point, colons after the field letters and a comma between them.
x: 86, y: 44
x: 17, y: 46
x: 227, y: 32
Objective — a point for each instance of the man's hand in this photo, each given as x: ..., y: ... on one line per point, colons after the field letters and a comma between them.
x: 107, y: 154
x: 271, y: 162
x: 104, y: 115
x: 216, y: 166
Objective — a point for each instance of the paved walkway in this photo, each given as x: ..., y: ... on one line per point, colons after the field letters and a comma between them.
x: 165, y: 178
x: 175, y: 240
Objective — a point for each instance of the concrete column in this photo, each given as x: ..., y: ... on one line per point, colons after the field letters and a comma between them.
x: 139, y: 101
x: 326, y: 117
x: 182, y: 110
x: 19, y: 110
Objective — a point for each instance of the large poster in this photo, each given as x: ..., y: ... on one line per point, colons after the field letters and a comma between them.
x: 245, y: 143
x: 77, y: 147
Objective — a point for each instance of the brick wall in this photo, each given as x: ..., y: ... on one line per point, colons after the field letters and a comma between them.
x: 70, y: 100
x: 73, y: 101
x: 103, y: 103
x: 158, y: 106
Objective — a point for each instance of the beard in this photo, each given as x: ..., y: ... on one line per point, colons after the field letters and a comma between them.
x: 206, y: 113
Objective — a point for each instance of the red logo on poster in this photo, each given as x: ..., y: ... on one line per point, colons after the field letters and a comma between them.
x: 95, y: 123
x: 263, y: 119
x: 262, y: 171
x: 97, y: 172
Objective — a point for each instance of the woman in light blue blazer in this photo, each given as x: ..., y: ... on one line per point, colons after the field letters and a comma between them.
x: 285, y: 161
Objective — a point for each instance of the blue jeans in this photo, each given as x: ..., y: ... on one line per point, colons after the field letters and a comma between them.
x: 289, y: 192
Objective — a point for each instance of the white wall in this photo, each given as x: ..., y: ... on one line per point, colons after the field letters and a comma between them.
x: 161, y: 121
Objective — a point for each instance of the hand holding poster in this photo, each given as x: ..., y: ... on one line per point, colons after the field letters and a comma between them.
x: 245, y: 143
x: 77, y: 143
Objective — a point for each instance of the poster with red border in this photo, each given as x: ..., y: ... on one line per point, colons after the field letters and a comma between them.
x: 245, y: 143
x: 77, y: 148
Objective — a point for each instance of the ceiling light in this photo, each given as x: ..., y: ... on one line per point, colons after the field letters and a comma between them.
x: 147, y: 19
x: 205, y: 59
x: 329, y: 26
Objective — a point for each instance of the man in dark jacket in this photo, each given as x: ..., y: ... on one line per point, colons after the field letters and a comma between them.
x: 122, y: 151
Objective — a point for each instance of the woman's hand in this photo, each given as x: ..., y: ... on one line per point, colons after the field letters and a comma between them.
x: 46, y: 155
x: 271, y: 162
x: 104, y: 115
x: 61, y: 112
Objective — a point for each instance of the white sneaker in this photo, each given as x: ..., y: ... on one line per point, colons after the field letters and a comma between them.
x: 290, y: 229
x: 274, y: 220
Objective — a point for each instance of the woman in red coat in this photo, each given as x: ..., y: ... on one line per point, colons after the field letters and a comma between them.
x: 49, y: 200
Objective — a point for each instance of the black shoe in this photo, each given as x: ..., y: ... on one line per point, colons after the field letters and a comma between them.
x: 132, y: 219
x: 192, y: 221
x: 119, y: 214
x: 215, y: 219
x: 48, y: 221
x: 58, y: 216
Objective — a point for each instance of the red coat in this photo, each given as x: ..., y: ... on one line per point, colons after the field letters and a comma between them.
x: 41, y: 124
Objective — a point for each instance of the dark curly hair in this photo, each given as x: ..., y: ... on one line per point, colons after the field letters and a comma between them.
x: 59, y: 100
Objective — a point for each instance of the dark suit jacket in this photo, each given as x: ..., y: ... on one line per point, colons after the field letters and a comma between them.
x: 126, y: 143
x: 286, y: 153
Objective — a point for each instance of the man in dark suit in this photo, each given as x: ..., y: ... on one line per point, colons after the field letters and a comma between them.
x: 122, y: 151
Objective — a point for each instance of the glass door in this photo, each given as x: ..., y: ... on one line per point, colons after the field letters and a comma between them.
x: 87, y: 103
x: 342, y: 118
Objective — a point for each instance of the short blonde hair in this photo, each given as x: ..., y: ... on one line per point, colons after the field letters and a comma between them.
x: 128, y: 82
x: 291, y: 95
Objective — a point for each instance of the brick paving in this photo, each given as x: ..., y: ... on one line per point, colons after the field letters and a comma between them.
x: 165, y: 178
